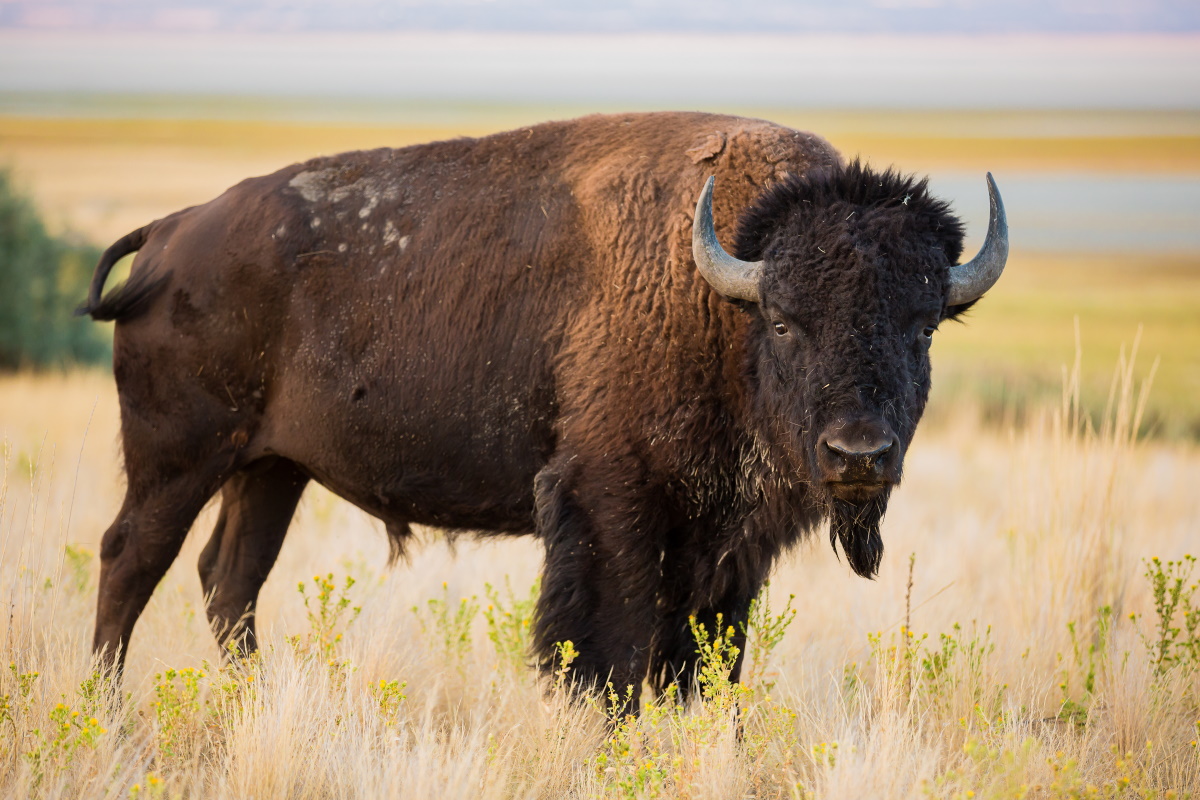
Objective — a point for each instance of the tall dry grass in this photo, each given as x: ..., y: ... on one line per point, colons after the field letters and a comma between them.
x: 994, y: 657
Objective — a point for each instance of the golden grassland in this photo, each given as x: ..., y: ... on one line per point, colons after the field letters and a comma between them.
x: 1010, y: 351
x: 1012, y: 646
x: 1020, y: 653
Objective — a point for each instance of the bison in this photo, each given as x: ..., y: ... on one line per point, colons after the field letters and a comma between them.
x: 533, y: 333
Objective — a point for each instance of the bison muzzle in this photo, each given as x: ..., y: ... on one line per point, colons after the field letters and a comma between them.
x: 533, y: 332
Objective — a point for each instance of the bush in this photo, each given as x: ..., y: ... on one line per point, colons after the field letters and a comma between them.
x: 42, y: 279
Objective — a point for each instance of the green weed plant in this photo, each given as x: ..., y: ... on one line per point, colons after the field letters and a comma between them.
x: 330, y: 612
x: 176, y: 708
x: 509, y: 623
x: 1174, y: 642
x: 448, y: 624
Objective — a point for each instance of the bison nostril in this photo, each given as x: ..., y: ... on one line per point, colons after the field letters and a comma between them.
x: 862, y: 453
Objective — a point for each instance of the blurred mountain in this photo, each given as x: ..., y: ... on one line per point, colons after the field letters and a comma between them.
x: 616, y: 16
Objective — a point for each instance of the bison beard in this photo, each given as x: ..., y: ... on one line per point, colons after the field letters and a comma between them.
x: 856, y: 526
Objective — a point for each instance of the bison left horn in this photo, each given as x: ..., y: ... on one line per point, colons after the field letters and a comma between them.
x: 732, y: 278
x: 969, y: 281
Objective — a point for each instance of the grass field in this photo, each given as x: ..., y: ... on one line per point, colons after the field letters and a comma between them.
x: 1010, y: 353
x: 1013, y: 646
x: 1020, y: 641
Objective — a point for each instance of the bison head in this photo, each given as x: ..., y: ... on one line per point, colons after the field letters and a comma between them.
x: 847, y: 274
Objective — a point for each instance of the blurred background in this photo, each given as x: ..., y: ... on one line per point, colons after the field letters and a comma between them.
x: 116, y: 112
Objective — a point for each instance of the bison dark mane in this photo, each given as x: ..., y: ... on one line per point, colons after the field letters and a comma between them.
x: 850, y: 185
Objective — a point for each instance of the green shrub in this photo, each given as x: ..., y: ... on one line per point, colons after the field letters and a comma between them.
x: 42, y: 280
x: 510, y: 623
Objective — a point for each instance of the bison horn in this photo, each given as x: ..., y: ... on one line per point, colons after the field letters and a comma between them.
x: 969, y: 281
x: 730, y: 277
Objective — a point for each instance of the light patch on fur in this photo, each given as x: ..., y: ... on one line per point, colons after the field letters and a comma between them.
x: 371, y: 190
x: 312, y: 184
x: 322, y: 185
x: 392, y: 236
x: 281, y: 230
x: 755, y: 464
x: 342, y: 247
x: 316, y: 222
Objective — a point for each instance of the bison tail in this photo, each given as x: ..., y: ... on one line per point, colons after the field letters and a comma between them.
x: 130, y: 298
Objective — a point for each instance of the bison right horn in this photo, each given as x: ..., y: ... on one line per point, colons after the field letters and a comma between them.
x: 732, y: 278
x: 970, y: 280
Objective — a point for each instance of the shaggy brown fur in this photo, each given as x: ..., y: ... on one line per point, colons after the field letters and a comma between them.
x: 509, y: 335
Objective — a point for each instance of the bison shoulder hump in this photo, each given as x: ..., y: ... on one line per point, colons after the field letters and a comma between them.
x: 777, y: 151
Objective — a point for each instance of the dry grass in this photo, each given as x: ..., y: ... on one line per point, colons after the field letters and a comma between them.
x: 1017, y: 534
x: 1009, y: 352
x: 1023, y: 527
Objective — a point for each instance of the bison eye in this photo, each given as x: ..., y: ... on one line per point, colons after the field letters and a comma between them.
x: 927, y: 332
x: 781, y: 329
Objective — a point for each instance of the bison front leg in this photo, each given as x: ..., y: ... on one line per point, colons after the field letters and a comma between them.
x: 675, y: 654
x: 600, y: 583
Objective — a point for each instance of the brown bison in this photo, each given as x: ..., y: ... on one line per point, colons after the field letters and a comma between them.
x: 532, y: 332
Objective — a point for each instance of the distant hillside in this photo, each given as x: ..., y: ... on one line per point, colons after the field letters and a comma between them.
x: 709, y: 16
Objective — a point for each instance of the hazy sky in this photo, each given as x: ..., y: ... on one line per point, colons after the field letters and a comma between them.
x: 788, y: 53
x: 715, y: 16
x: 406, y: 57
x: 677, y: 70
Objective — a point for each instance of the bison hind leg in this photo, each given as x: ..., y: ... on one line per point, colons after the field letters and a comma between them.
x: 137, y: 550
x: 257, y: 505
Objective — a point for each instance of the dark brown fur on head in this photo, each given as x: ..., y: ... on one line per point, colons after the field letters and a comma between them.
x: 856, y: 271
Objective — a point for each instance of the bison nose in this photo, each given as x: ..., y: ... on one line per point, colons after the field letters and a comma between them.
x: 858, y: 453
